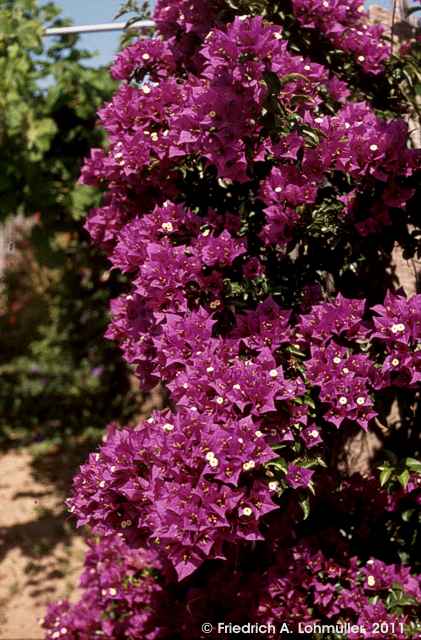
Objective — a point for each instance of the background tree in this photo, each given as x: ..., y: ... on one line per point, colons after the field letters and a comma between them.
x: 57, y: 375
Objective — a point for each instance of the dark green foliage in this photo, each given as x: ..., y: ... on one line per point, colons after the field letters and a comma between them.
x: 57, y: 373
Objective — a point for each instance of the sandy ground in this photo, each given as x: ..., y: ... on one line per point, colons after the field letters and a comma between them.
x: 41, y: 555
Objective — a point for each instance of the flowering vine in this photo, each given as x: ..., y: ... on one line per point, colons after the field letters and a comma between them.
x: 232, y: 159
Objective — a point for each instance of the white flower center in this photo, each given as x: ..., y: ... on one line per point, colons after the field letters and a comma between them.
x: 146, y: 56
x: 398, y: 328
x: 343, y: 400
x: 146, y: 90
x: 168, y: 427
x: 167, y: 226
x: 371, y: 581
x: 273, y: 373
x: 336, y: 360
x: 360, y: 400
x: 247, y: 511
x: 373, y: 147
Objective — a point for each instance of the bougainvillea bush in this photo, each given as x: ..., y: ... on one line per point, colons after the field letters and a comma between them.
x: 257, y: 177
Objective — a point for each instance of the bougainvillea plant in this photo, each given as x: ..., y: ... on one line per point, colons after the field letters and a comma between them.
x: 257, y: 175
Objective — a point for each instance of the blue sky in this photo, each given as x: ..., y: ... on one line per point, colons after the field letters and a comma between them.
x: 96, y: 11
x: 92, y: 12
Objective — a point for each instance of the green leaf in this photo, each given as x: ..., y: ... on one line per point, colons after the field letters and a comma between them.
x: 305, y: 506
x: 279, y: 463
x: 404, y: 478
x: 413, y: 464
x: 385, y: 475
x: 407, y: 515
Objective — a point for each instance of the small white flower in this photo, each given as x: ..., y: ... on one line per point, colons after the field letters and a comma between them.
x: 210, y: 370
x: 258, y: 434
x: 278, y: 189
x: 249, y: 465
x: 247, y: 511
x: 345, y: 370
x: 220, y: 400
x: 210, y: 456
x: 371, y: 581
x: 274, y: 485
x: 361, y: 58
x: 240, y: 440
x: 273, y: 373
x: 213, y: 462
x: 237, y: 387
x: 398, y: 328
x: 112, y: 591
x: 336, y: 360
x: 167, y: 226
x: 360, y: 400
x: 395, y: 362
x: 326, y: 4
x: 307, y: 67
x: 318, y: 120
x: 212, y: 114
x: 63, y: 630
x: 102, y: 484
x: 347, y: 125
x: 146, y: 90
x: 185, y: 385
x: 154, y: 136
x: 146, y: 56
x: 314, y: 434
x: 343, y: 401
x: 168, y: 427
x: 373, y: 147
x: 278, y: 36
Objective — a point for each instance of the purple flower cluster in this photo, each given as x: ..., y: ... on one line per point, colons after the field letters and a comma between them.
x: 128, y: 594
x: 222, y: 141
x: 344, y: 25
x: 122, y: 596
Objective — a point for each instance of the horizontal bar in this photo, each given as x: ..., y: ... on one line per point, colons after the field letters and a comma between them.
x: 98, y: 28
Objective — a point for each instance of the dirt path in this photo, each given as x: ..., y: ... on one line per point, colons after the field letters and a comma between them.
x: 41, y: 555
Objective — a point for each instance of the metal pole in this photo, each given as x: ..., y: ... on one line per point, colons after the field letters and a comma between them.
x: 98, y: 28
